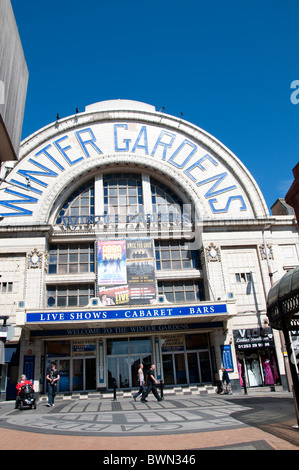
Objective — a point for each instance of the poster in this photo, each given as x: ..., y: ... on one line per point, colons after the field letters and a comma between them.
x: 83, y: 347
x: 126, y: 272
x: 112, y: 262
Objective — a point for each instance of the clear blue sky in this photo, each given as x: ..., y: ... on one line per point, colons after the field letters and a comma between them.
x: 228, y: 66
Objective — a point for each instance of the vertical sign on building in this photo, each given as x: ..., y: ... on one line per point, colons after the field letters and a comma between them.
x: 227, y: 358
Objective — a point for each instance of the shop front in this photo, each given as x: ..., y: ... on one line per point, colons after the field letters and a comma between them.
x: 256, y: 357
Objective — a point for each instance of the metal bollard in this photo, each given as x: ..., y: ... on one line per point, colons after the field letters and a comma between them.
x: 114, y: 390
x: 161, y: 388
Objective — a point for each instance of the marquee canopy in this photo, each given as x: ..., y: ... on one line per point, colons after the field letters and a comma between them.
x: 283, y: 301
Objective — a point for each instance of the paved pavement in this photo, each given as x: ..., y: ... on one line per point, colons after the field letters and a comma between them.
x: 182, y: 423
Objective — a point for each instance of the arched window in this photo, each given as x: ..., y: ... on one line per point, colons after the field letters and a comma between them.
x: 123, y: 194
x: 164, y: 201
x: 80, y: 203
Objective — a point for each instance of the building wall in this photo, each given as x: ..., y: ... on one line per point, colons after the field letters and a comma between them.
x: 13, y: 84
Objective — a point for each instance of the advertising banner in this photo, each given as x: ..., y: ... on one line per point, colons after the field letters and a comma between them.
x: 126, y: 272
x: 112, y: 262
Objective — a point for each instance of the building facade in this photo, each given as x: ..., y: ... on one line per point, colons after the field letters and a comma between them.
x: 130, y: 236
x: 13, y: 84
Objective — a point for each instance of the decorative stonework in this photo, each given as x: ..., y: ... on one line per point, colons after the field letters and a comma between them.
x: 264, y: 253
x: 213, y: 253
x: 34, y: 259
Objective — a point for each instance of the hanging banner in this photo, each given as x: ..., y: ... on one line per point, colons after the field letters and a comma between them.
x: 126, y: 272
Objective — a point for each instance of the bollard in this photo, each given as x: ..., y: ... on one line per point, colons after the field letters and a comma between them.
x: 114, y: 390
x: 244, y: 383
x: 161, y: 387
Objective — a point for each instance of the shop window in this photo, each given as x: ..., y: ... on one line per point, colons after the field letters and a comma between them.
x: 69, y: 296
x: 182, y: 291
x: 175, y: 254
x: 71, y: 258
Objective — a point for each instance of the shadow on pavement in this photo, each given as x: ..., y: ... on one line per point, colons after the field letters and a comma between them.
x: 274, y: 415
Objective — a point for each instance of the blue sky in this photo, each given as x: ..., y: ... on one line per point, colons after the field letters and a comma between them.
x: 227, y: 66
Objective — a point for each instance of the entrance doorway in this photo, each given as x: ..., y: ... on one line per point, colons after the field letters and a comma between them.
x: 84, y: 374
x: 187, y: 368
x: 186, y: 359
x: 123, y: 359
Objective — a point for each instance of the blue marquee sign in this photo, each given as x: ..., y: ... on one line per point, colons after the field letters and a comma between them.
x: 104, y: 315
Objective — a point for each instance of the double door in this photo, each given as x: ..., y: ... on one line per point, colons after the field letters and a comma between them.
x: 84, y: 374
x: 181, y: 368
x: 122, y: 370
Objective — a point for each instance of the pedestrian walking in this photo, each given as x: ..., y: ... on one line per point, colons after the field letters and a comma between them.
x: 140, y: 376
x: 225, y: 382
x: 52, y: 378
x: 151, y: 385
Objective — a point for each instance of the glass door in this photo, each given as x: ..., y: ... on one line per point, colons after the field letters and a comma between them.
x: 64, y: 372
x: 84, y: 374
x: 90, y: 374
x: 77, y: 376
x: 112, y: 366
x: 123, y: 359
x: 174, y: 369
x: 205, y: 366
x: 124, y: 372
x: 136, y: 360
x: 180, y: 368
x: 193, y: 368
x: 168, y: 369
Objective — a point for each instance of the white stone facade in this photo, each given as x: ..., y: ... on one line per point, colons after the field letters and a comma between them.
x: 226, y: 223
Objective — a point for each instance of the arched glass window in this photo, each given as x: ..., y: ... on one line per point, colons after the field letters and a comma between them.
x: 123, y: 194
x: 80, y: 203
x: 164, y: 201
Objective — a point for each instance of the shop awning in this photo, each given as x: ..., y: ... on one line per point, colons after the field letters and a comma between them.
x: 283, y: 301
